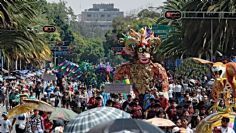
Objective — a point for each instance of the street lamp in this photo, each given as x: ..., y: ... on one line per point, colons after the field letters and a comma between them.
x: 1, y: 55
x: 212, y: 41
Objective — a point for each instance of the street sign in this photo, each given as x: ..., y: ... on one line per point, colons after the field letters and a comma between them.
x: 173, y: 15
x: 162, y: 30
x: 60, y: 53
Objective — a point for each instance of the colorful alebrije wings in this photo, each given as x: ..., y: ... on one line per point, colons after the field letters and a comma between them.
x: 144, y: 38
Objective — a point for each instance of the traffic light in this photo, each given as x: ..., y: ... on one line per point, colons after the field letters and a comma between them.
x: 49, y: 28
x: 173, y: 15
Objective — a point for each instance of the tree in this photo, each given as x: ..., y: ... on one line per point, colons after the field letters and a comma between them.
x: 58, y: 14
x: 173, y: 46
x: 88, y: 49
x: 193, y: 37
x: 145, y: 13
x: 17, y: 40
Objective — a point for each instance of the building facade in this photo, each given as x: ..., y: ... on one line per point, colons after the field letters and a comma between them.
x: 100, y: 16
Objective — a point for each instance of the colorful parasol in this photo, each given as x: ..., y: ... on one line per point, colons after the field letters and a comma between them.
x: 63, y: 114
x: 160, y: 122
x: 41, y: 105
x: 28, y: 106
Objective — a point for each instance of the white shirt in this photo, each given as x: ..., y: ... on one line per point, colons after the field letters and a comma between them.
x: 21, y: 119
x: 178, y: 88
x: 52, y: 101
x: 189, y: 130
x: 227, y: 130
x: 170, y: 93
x: 5, y: 126
x: 58, y: 130
x: 171, y: 89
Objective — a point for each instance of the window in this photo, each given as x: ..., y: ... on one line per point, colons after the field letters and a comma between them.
x: 89, y: 15
x: 102, y: 15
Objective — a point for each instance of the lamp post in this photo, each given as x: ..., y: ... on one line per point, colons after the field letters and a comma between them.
x: 212, y: 39
x: 1, y: 55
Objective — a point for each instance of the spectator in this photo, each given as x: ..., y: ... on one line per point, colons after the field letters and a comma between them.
x: 38, y: 89
x: 127, y: 102
x: 185, y: 122
x: 225, y: 126
x: 152, y: 111
x: 5, y: 124
x: 66, y: 99
x: 162, y: 114
x: 35, y: 122
x: 175, y: 130
x: 58, y: 126
x: 22, y: 119
x: 47, y: 124
x: 98, y: 101
x: 109, y: 103
x: 136, y: 110
x: 163, y: 101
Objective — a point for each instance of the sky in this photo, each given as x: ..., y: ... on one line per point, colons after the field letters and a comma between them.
x: 127, y: 6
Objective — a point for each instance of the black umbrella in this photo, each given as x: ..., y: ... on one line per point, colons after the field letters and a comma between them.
x: 125, y: 126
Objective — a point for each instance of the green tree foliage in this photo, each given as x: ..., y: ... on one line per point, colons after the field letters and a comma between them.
x: 81, y: 48
x: 17, y: 39
x: 145, y: 13
x: 90, y: 50
x: 173, y: 46
x: 191, y: 69
x: 58, y: 14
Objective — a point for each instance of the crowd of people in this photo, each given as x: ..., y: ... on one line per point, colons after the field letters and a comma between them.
x: 186, y: 105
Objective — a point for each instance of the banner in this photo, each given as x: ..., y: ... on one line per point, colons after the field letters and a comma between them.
x: 117, y: 88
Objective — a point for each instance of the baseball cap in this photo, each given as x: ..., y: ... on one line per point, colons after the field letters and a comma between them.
x: 4, y: 114
x: 175, y: 130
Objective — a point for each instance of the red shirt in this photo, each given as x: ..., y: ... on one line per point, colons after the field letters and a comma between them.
x: 46, y: 122
x: 117, y: 105
x: 164, y: 103
x: 137, y: 112
x: 92, y: 101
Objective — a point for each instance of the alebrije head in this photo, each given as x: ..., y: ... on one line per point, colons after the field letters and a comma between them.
x: 143, y: 40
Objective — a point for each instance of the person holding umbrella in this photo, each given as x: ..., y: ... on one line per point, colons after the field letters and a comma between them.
x: 35, y: 123
x: 21, y: 119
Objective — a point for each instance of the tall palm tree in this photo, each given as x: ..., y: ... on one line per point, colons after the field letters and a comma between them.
x: 16, y: 40
x: 194, y: 36
x: 227, y: 32
x: 223, y: 30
